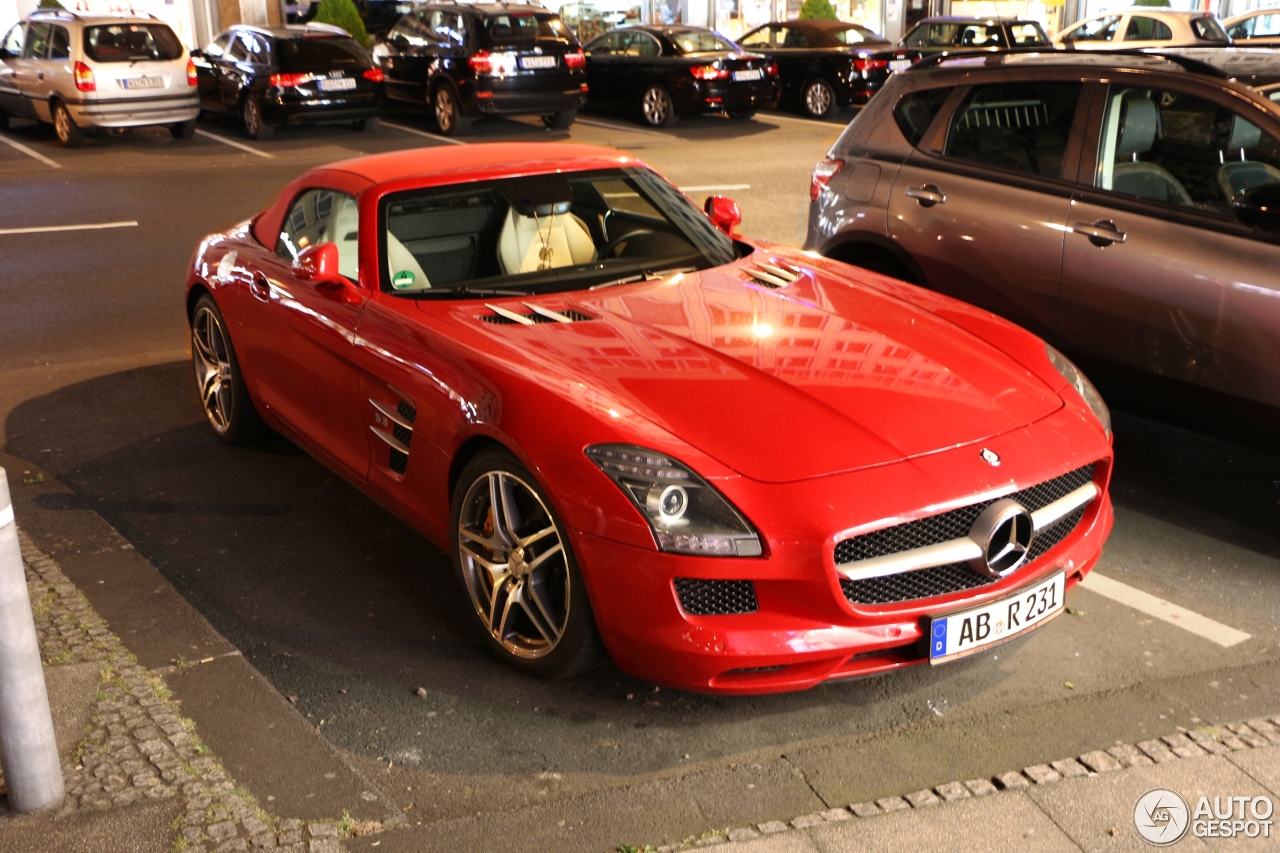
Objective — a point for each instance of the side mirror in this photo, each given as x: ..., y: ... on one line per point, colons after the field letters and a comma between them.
x: 724, y: 213
x: 319, y: 265
x: 1259, y: 207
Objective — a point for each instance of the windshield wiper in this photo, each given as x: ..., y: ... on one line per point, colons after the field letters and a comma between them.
x: 645, y: 275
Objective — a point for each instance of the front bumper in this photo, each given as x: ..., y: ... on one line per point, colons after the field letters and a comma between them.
x: 134, y: 112
x: 805, y: 631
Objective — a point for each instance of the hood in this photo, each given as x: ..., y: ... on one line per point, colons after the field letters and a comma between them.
x: 819, y: 376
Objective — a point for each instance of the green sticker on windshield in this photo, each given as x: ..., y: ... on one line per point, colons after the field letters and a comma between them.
x: 403, y: 279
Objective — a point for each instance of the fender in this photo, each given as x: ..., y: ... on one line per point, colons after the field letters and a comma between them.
x: 851, y: 239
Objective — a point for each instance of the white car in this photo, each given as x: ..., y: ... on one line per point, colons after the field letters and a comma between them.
x: 1259, y: 28
x: 1141, y: 27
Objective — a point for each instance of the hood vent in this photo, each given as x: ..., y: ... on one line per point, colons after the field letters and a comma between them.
x: 772, y: 275
x: 505, y: 317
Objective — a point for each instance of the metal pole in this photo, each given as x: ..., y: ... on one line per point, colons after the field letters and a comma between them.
x: 28, y: 751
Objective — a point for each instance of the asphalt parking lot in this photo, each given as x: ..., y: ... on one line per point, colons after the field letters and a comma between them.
x: 348, y: 613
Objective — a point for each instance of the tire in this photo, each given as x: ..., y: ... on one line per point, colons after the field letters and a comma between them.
x: 183, y: 129
x: 255, y: 126
x: 448, y: 113
x: 818, y: 99
x: 551, y: 633
x: 656, y: 107
x: 4, y: 120
x: 560, y: 120
x: 365, y: 125
x: 741, y: 115
x: 219, y: 383
x: 69, y: 133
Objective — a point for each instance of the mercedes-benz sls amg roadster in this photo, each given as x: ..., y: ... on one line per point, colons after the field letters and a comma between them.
x: 731, y: 466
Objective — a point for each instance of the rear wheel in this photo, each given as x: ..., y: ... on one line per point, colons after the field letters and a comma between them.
x: 741, y: 115
x: 365, y: 124
x: 449, y: 117
x: 183, y: 129
x: 69, y: 133
x: 254, y: 124
x: 818, y: 99
x: 560, y: 120
x: 657, y: 108
x: 219, y: 383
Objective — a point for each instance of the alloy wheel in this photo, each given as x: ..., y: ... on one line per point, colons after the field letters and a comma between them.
x: 212, y: 362
x: 656, y: 105
x: 252, y: 118
x: 62, y: 125
x: 514, y: 564
x: 444, y: 109
x: 817, y: 99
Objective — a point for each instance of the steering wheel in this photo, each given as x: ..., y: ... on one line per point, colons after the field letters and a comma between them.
x: 613, y: 244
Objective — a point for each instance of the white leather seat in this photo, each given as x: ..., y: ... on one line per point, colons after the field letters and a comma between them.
x: 523, y: 238
x: 401, y: 260
x: 342, y: 231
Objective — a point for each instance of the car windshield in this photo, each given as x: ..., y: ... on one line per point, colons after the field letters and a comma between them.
x: 855, y: 35
x: 524, y: 27
x: 308, y: 53
x: 543, y: 233
x: 131, y: 42
x: 701, y: 42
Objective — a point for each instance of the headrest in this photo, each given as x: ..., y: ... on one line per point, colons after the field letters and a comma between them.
x: 1138, y: 130
x: 1244, y: 134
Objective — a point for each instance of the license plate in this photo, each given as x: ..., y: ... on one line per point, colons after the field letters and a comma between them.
x: 899, y: 64
x: 749, y: 74
x: 961, y: 634
x: 337, y: 84
x: 142, y: 82
x: 537, y: 62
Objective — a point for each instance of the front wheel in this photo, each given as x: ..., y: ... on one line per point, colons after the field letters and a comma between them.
x: 560, y: 120
x: 219, y: 383
x: 69, y: 133
x: 657, y: 108
x: 819, y: 99
x: 517, y: 566
x: 254, y: 124
x: 449, y: 116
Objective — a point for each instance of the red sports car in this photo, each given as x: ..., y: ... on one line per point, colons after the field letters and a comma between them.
x: 734, y: 467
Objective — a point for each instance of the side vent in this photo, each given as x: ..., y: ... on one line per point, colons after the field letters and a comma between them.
x: 395, y: 429
x: 772, y: 275
x: 506, y: 317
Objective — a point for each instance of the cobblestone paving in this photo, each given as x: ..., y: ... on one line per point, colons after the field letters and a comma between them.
x: 139, y: 747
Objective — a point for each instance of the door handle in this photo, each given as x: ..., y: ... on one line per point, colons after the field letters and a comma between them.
x: 927, y: 195
x: 260, y: 287
x: 1101, y: 233
x: 39, y: 75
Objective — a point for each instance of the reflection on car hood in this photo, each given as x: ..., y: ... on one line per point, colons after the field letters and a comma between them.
x: 821, y: 376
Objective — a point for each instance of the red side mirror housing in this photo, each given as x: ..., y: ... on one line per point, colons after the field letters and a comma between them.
x: 724, y: 213
x: 319, y: 265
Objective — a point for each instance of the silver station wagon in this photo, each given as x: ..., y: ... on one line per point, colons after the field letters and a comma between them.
x: 107, y: 71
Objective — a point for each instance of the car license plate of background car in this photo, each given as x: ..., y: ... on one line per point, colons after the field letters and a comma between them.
x: 970, y: 631
x: 749, y: 74
x: 337, y: 84
x: 537, y: 62
x: 899, y: 64
x: 142, y: 82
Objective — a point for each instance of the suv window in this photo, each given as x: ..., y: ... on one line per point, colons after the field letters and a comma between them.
x: 916, y: 111
x: 311, y: 53
x: 1142, y: 28
x: 14, y: 38
x: 257, y: 48
x: 37, y: 42
x: 322, y: 216
x: 218, y: 46
x: 131, y: 43
x: 59, y: 43
x: 1265, y: 25
x: 1103, y: 29
x: 514, y: 27
x: 1177, y: 148
x: 1018, y: 126
x: 1208, y: 29
x: 449, y: 27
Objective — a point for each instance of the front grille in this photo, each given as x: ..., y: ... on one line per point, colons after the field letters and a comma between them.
x: 716, y: 598
x: 397, y: 461
x: 944, y: 580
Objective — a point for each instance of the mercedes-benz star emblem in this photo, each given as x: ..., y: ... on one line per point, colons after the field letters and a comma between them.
x: 990, y: 457
x: 1004, y: 531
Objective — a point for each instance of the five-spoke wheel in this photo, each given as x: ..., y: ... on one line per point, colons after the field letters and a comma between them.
x: 223, y: 397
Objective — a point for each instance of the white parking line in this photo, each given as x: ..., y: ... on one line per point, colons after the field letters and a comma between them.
x: 1201, y: 626
x: 25, y: 150
x: 235, y: 144
x: 830, y: 124
x: 49, y: 228
x: 622, y: 127
x: 416, y: 132
x: 715, y: 188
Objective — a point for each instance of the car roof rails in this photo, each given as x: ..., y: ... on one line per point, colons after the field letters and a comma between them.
x: 53, y: 14
x: 996, y: 57
x: 997, y: 54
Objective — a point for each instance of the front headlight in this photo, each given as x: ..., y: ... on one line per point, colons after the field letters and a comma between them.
x: 1078, y: 381
x: 686, y: 513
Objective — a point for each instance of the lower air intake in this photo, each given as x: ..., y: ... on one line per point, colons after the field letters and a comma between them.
x: 716, y: 598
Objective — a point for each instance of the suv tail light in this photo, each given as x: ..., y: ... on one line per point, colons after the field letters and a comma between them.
x: 191, y: 73
x: 709, y: 72
x: 84, y: 78
x: 483, y: 62
x: 866, y: 63
x: 373, y: 75
x: 772, y: 69
x: 822, y: 175
x: 289, y: 81
x: 575, y: 60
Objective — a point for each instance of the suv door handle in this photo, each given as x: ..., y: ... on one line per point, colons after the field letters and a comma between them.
x: 1101, y: 233
x: 260, y: 287
x: 927, y: 195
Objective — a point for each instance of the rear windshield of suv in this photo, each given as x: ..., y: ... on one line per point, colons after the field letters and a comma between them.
x: 525, y: 26
x: 1208, y: 29
x: 311, y: 53
x: 131, y: 43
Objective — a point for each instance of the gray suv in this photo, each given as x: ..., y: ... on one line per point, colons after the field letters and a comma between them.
x: 82, y: 71
x: 1125, y: 207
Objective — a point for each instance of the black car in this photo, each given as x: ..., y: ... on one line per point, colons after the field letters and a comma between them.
x: 292, y: 74
x: 938, y: 35
x: 664, y: 72
x: 824, y: 65
x: 464, y: 61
